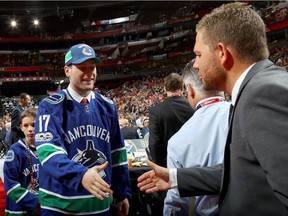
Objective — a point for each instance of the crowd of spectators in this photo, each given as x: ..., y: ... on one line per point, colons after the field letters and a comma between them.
x: 279, y: 55
x: 8, y: 103
x: 136, y: 96
x: 52, y: 64
x: 275, y: 13
x: 271, y: 14
x: 15, y: 59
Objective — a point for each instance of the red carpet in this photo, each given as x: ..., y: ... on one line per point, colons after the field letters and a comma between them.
x: 2, y: 198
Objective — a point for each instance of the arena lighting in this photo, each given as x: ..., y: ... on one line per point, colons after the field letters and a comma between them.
x: 36, y: 22
x: 13, y: 23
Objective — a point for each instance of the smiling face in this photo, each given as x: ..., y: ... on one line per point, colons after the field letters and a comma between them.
x: 82, y: 76
x: 212, y: 74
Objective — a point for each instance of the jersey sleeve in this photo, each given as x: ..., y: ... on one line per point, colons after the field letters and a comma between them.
x: 14, y: 188
x: 49, y: 137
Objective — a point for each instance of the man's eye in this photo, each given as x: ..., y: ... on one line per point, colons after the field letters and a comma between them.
x: 92, y: 67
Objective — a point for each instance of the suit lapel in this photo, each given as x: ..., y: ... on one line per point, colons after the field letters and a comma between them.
x: 259, y: 66
x: 226, y: 168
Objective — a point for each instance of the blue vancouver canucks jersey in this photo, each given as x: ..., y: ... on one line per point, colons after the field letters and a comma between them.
x: 71, y: 138
x: 17, y: 180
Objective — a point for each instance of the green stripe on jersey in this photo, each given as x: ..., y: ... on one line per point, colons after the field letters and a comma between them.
x: 16, y: 213
x: 119, y: 156
x: 45, y: 150
x: 73, y: 204
x: 17, y: 192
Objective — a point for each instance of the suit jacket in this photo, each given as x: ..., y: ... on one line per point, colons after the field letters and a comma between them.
x: 166, y: 119
x: 3, y: 132
x: 130, y: 133
x: 16, y: 132
x: 255, y: 174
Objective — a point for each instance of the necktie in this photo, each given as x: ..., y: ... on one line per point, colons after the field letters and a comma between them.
x: 231, y: 110
x: 84, y: 101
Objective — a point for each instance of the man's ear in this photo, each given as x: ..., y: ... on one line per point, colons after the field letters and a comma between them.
x: 66, y: 70
x: 225, y: 56
x: 191, y: 91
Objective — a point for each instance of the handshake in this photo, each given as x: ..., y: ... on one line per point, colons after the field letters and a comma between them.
x: 154, y: 180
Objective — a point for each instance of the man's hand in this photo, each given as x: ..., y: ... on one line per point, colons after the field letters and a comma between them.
x: 123, y: 208
x: 154, y: 180
x: 93, y: 182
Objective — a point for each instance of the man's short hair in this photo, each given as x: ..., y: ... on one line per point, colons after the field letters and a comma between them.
x: 173, y: 82
x: 24, y: 96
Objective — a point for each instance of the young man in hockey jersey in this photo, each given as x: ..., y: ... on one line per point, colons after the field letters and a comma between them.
x: 80, y: 145
x: 21, y: 171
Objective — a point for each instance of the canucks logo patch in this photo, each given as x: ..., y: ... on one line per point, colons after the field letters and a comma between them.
x: 10, y: 156
x: 86, y: 50
x: 55, y: 98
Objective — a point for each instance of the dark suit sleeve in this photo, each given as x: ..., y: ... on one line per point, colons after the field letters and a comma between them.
x: 199, y: 180
x: 15, y: 119
x: 2, y: 134
x: 156, y: 148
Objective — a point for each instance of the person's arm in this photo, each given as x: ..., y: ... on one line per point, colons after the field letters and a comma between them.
x: 14, y: 189
x: 198, y: 181
x: 15, y: 119
x: 156, y: 148
x: 93, y: 182
x: 52, y: 152
x: 190, y: 181
x: 154, y: 180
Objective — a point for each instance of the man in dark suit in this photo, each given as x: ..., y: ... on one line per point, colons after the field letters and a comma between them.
x: 2, y: 130
x: 16, y: 132
x: 167, y: 118
x: 254, y: 175
x: 128, y: 131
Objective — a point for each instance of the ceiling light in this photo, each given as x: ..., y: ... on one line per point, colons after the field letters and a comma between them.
x: 13, y: 23
x: 36, y: 22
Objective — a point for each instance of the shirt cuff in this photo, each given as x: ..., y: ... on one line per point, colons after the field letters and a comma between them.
x: 173, y: 178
